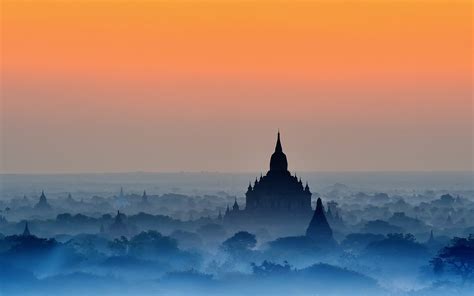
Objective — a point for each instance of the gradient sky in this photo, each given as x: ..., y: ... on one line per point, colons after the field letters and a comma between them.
x: 105, y: 86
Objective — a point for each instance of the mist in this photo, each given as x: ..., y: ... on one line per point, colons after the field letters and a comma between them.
x: 178, y: 234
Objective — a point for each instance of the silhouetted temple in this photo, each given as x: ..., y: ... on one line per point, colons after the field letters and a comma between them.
x: 145, y: 203
x: 118, y: 227
x: 431, y: 240
x: 277, y: 196
x: 26, y: 231
x: 42, y: 203
x: 278, y: 192
x: 319, y: 229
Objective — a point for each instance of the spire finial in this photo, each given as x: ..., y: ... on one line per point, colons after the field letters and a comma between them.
x: 26, y: 232
x: 278, y: 147
x: 235, y: 207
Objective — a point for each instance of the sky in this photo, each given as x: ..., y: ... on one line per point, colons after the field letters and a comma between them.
x: 114, y: 86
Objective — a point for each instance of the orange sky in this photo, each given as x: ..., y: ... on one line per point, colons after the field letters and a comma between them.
x: 361, y: 85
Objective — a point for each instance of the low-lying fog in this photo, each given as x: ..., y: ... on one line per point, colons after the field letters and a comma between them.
x: 403, y: 233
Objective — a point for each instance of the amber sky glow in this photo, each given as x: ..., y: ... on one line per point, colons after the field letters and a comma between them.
x: 203, y: 85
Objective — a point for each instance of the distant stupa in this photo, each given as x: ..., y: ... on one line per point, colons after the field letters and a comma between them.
x: 431, y: 240
x: 235, y: 207
x: 43, y: 203
x: 118, y: 227
x: 26, y: 231
x: 144, y: 197
x: 319, y: 229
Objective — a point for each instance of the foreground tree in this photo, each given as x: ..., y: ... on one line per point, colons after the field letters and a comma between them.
x: 397, y: 246
x: 152, y: 244
x: 458, y: 258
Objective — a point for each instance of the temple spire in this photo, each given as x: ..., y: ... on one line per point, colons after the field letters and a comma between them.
x: 26, y: 232
x: 235, y: 207
x: 278, y: 147
x: 431, y: 239
x: 118, y: 218
x: 43, y: 202
x: 43, y: 196
x: 144, y: 197
x: 278, y: 160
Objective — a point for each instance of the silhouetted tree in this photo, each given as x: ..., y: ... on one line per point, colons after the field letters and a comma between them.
x: 188, y: 277
x: 294, y: 244
x: 211, y: 231
x: 152, y: 243
x: 359, y: 241
x: 380, y: 227
x: 268, y: 268
x: 119, y: 246
x: 241, y: 241
x: 187, y: 239
x: 397, y: 246
x: 458, y: 257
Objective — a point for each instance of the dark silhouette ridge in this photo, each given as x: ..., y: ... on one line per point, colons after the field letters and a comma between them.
x: 319, y: 229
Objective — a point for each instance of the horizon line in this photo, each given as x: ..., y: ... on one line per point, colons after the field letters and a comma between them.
x: 228, y: 172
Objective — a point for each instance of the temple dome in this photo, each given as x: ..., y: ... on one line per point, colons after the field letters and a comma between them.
x: 278, y: 160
